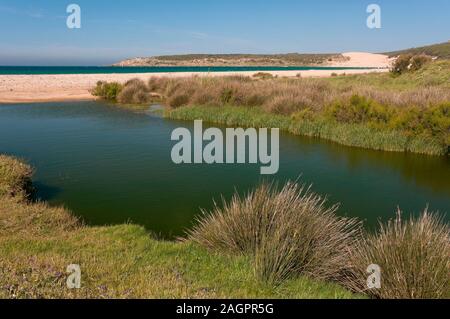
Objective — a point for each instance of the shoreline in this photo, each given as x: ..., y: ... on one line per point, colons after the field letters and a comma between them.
x: 75, y: 87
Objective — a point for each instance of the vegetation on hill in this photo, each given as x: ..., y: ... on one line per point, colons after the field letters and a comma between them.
x: 289, y: 59
x: 441, y: 50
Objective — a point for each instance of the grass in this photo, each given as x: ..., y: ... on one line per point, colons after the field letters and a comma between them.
x: 289, y: 232
x: 409, y: 112
x: 15, y: 177
x: 38, y: 242
x: 440, y: 50
x: 357, y: 135
x: 272, y: 244
x: 414, y: 257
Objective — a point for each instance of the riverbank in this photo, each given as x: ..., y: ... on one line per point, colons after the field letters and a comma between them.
x: 356, y: 135
x: 401, y: 113
x: 71, y: 87
x: 38, y: 242
x: 220, y: 257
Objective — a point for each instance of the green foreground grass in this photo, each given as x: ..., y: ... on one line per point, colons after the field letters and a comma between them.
x: 38, y: 242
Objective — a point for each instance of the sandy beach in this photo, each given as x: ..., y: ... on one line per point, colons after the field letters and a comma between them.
x: 66, y: 87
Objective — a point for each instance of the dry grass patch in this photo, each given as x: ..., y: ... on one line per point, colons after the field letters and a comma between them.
x: 414, y: 257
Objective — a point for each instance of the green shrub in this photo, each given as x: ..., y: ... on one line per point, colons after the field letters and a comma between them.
x: 15, y: 177
x: 401, y: 64
x: 418, y: 61
x: 107, y: 91
x: 288, y: 232
x: 177, y: 100
x: 413, y: 255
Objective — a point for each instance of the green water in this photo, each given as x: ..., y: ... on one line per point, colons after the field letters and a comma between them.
x: 111, y: 165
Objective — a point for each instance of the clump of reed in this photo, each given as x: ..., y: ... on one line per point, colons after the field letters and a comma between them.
x: 18, y: 215
x: 291, y: 231
x: 15, y: 177
x: 413, y: 256
x: 288, y: 232
x: 134, y: 91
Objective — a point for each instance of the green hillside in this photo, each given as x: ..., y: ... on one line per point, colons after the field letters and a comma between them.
x: 441, y: 50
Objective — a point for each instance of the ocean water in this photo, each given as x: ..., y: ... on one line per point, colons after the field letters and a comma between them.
x: 21, y: 70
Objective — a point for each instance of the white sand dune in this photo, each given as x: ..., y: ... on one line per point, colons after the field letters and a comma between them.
x: 364, y: 59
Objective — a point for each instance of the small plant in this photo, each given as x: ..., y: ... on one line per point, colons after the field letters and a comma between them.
x: 414, y: 257
x: 15, y: 177
x: 107, y: 91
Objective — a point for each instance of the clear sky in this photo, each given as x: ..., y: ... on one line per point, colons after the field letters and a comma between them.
x: 34, y: 32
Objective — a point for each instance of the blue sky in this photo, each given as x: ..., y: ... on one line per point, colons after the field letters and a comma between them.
x: 34, y: 32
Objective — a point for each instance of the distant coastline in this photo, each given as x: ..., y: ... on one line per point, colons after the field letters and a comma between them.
x: 50, y: 70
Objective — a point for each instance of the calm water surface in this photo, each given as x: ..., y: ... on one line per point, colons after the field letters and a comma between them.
x: 110, y: 165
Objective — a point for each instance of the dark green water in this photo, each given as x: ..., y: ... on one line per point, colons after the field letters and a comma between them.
x: 110, y: 165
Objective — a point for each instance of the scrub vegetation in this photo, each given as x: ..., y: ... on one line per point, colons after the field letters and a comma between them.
x: 276, y: 242
x: 406, y: 110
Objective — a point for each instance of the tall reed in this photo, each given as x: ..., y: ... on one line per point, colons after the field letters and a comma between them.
x: 413, y: 256
x: 288, y: 231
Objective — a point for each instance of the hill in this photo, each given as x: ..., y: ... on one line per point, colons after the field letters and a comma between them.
x: 289, y: 59
x: 440, y: 50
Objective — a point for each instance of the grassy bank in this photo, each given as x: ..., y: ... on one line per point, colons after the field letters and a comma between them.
x: 407, y: 112
x: 271, y: 243
x: 38, y: 242
x: 357, y: 135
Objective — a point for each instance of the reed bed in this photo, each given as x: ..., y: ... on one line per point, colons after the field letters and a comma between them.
x: 292, y: 232
x: 413, y: 255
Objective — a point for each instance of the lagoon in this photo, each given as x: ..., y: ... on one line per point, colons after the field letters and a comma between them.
x: 110, y: 165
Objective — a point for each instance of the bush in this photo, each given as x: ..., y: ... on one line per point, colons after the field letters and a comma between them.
x: 408, y: 62
x: 414, y: 257
x: 15, y: 177
x: 418, y: 61
x: 177, y: 100
x: 401, y: 64
x: 263, y: 75
x: 107, y: 91
x: 288, y: 232
x: 134, y: 92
